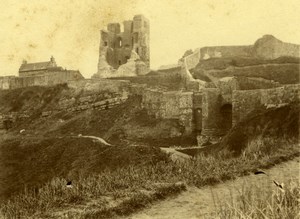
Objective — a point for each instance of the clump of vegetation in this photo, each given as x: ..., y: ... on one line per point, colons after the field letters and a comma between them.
x: 123, y: 190
x: 255, y: 202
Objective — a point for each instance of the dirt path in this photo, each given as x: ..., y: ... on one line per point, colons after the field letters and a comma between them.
x: 199, y: 203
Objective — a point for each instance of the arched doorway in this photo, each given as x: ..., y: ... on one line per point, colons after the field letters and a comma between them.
x: 226, y: 116
x: 198, y: 119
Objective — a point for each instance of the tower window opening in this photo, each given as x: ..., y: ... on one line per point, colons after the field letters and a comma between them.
x: 119, y: 42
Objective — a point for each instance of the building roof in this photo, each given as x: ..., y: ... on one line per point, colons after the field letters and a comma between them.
x: 34, y: 66
x: 38, y: 65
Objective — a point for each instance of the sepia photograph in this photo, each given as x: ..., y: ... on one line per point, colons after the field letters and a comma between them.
x: 150, y: 109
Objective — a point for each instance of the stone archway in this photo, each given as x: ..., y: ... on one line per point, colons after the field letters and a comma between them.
x: 198, y: 119
x: 226, y: 116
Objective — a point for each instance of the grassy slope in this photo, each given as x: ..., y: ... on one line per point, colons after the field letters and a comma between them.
x: 258, y: 203
x: 126, y: 189
x: 284, y: 69
x: 64, y: 157
x: 122, y: 124
x: 135, y: 186
x: 281, y: 122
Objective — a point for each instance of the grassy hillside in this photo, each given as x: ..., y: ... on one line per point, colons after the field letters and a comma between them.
x: 64, y: 157
x: 284, y: 69
x: 30, y: 98
x: 121, y: 191
x: 281, y: 123
x: 117, y: 180
x: 125, y: 123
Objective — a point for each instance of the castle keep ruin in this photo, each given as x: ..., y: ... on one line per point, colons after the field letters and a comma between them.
x: 124, y: 53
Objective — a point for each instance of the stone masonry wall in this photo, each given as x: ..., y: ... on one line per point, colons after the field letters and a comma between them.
x: 244, y: 102
x: 225, y: 51
x: 47, y: 79
x: 170, y: 105
x: 211, y: 117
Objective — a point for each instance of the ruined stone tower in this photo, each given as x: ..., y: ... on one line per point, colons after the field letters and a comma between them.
x: 124, y: 53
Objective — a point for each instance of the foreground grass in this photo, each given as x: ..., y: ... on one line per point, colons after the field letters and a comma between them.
x: 121, y: 192
x: 256, y: 202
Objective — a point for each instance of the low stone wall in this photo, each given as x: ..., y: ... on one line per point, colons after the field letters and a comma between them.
x: 249, y: 83
x: 225, y: 51
x: 72, y: 105
x: 244, y: 102
x: 100, y: 85
x: 190, y: 62
x: 170, y: 105
x: 45, y: 79
x: 193, y: 59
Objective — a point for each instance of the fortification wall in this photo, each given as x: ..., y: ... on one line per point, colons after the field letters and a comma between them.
x: 211, y: 104
x: 46, y: 79
x: 193, y: 59
x: 190, y: 62
x: 170, y: 105
x: 249, y: 83
x: 244, y: 102
x: 268, y: 47
x: 225, y: 51
x: 5, y: 82
x: 99, y: 85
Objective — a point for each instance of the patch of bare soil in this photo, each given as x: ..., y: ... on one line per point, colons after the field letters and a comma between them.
x: 201, y: 203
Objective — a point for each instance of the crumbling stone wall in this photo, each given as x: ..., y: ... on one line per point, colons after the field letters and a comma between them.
x: 212, y: 102
x: 225, y: 51
x: 244, y: 102
x: 267, y: 47
x: 100, y: 85
x: 46, y: 79
x: 124, y: 53
x: 5, y: 82
x: 250, y: 83
x: 193, y: 59
x: 170, y: 105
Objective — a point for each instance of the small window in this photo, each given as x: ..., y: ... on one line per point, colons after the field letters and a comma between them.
x: 105, y: 43
x: 137, y: 50
x: 120, y: 63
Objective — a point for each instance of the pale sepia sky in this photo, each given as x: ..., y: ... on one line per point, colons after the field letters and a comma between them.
x: 69, y: 29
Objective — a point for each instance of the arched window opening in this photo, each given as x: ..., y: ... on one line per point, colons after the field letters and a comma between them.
x: 119, y: 42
